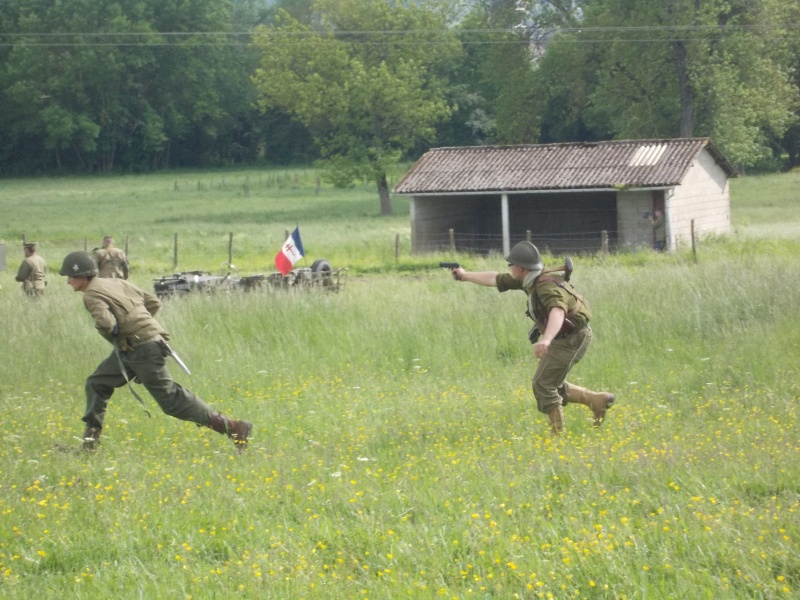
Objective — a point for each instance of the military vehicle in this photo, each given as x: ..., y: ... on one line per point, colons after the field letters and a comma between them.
x: 320, y: 275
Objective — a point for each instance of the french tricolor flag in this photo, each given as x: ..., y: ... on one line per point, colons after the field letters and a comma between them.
x: 290, y: 253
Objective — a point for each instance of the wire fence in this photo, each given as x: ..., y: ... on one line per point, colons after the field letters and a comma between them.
x: 572, y: 242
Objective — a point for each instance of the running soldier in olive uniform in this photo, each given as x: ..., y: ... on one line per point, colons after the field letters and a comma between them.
x: 123, y: 315
x: 111, y: 261
x: 31, y: 272
x: 562, y: 331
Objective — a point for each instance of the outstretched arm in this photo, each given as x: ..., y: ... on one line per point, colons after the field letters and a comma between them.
x: 484, y: 278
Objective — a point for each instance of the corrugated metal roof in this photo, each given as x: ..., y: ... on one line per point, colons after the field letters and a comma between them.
x: 575, y: 165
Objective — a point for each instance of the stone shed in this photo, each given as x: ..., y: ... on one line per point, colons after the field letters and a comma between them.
x: 570, y: 197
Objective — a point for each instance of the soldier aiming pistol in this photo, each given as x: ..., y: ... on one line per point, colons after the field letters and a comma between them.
x: 561, y: 335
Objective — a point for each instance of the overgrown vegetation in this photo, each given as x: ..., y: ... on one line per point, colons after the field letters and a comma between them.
x: 105, y: 85
x: 398, y: 452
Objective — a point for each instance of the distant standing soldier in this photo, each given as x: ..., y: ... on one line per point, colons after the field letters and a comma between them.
x: 562, y: 318
x: 123, y: 315
x: 111, y: 261
x: 31, y: 272
x: 659, y: 231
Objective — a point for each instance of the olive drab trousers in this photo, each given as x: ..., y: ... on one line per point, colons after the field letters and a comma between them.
x: 147, y: 363
x: 551, y: 374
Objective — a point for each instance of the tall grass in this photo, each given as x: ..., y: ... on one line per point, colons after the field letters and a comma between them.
x: 398, y: 451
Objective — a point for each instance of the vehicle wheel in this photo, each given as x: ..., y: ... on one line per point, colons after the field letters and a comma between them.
x: 321, y: 269
x: 321, y: 266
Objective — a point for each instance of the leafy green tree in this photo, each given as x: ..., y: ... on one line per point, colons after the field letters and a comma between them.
x: 666, y: 68
x: 142, y: 83
x: 198, y: 82
x: 790, y: 142
x: 493, y: 84
x: 365, y: 80
x: 60, y: 85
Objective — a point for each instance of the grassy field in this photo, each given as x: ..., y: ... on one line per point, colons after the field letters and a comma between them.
x: 398, y: 451
x: 203, y: 210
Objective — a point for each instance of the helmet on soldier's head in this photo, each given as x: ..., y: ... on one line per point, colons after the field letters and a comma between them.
x: 79, y: 264
x: 525, y: 255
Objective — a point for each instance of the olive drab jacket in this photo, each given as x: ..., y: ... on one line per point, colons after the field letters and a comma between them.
x: 31, y: 274
x: 111, y: 263
x: 547, y: 292
x: 116, y: 302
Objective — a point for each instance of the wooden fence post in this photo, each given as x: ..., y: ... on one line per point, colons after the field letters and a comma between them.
x: 230, y: 248
x: 175, y: 253
x: 396, y: 247
x: 694, y: 244
x: 528, y: 235
x: 604, y: 241
x: 452, y: 233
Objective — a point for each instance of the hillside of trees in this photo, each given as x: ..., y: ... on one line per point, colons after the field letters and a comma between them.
x: 357, y: 85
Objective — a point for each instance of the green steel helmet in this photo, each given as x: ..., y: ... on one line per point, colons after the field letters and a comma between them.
x: 79, y: 264
x: 525, y: 255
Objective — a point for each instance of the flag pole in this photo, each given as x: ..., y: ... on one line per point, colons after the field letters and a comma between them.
x: 297, y: 227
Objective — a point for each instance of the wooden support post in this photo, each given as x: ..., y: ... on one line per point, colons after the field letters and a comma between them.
x: 230, y: 248
x: 694, y: 243
x: 604, y: 241
x: 175, y: 254
x: 528, y: 235
x: 452, y: 233
x: 396, y: 247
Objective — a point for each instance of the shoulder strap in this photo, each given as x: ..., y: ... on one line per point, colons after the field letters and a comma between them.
x: 560, y: 282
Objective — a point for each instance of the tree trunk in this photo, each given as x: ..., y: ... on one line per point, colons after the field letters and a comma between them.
x: 383, y: 192
x: 685, y: 87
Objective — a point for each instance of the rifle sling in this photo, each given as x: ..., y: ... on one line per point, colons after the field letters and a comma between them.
x: 128, y: 381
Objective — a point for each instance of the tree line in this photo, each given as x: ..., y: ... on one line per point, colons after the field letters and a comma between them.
x: 357, y: 85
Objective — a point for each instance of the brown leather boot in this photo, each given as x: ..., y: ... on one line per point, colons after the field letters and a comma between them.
x: 91, y: 438
x: 598, y: 402
x: 238, y: 431
x: 556, y: 416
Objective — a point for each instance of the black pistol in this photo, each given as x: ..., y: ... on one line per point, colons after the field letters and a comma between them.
x: 451, y: 266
